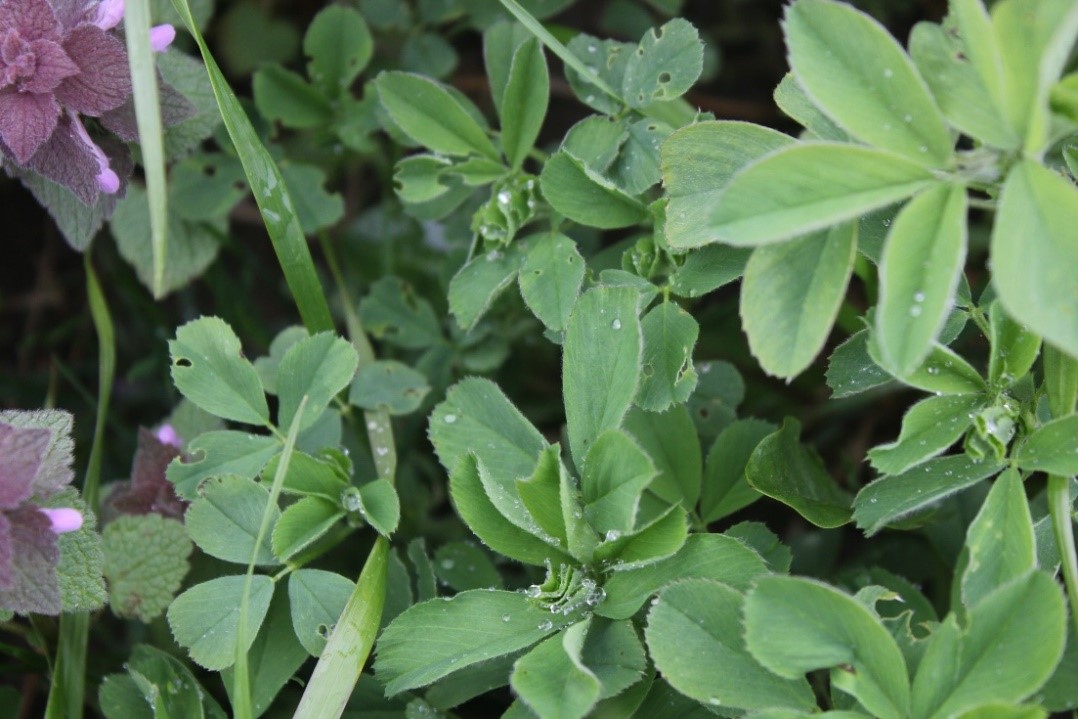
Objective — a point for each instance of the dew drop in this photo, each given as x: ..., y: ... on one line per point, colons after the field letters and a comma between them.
x: 546, y: 626
x: 506, y: 618
x: 450, y: 418
x: 915, y: 311
x: 908, y: 119
x: 888, y: 73
x: 616, y: 324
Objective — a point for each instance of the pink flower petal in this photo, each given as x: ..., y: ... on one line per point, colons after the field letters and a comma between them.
x: 63, y: 519
x: 67, y: 161
x: 109, y: 14
x: 53, y: 67
x: 167, y: 434
x: 104, y: 82
x: 161, y: 36
x: 33, y: 19
x: 26, y: 121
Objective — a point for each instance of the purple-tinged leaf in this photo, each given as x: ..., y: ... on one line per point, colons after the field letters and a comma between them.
x: 53, y: 67
x: 26, y: 121
x: 104, y: 82
x: 55, y: 471
x: 21, y: 453
x: 35, y: 554
x: 33, y: 19
x: 148, y: 490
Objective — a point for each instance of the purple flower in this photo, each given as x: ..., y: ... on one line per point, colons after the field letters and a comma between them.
x: 34, y: 464
x: 60, y: 62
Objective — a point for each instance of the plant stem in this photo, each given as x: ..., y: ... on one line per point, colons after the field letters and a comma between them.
x: 1061, y: 381
x: 68, y: 689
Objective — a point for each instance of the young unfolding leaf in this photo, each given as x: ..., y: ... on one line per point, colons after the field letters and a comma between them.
x: 656, y: 541
x: 432, y: 639
x: 1014, y: 348
x: 791, y: 295
x: 808, y: 187
x: 923, y: 259
x: 209, y: 368
x: 784, y: 469
x: 205, y: 618
x: 667, y: 374
x: 929, y: 428
x: 1034, y: 251
x: 891, y: 498
x: 795, y: 625
x: 601, y: 365
x: 853, y: 69
x: 695, y: 637
x: 614, y: 474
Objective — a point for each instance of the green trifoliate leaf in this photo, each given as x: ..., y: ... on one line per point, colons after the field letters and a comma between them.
x: 388, y: 385
x: 695, y: 637
x: 637, y: 168
x: 421, y: 178
x: 315, y: 368
x: 667, y: 374
x: 792, y: 99
x: 850, y: 370
x: 500, y: 43
x: 431, y: 116
x: 1000, y: 540
x: 542, y: 496
x: 267, y: 366
x: 784, y: 469
x: 656, y: 541
x: 478, y: 283
x: 223, y: 453
x: 428, y: 54
x: 316, y: 208
x: 928, y: 429
x: 583, y: 195
x: 922, y: 261
x: 705, y: 556
x: 380, y: 506
x: 286, y: 97
x: 614, y: 474
x: 943, y: 371
x: 892, y: 498
x: 325, y: 475
x: 596, y: 141
x: 757, y: 537
x: 724, y: 489
x: 316, y: 599
x: 209, y: 369
x: 791, y: 295
x: 394, y: 313
x: 145, y: 561
x: 475, y: 507
x: 550, y: 278
x: 524, y: 104
x: 432, y: 639
x: 795, y: 625
x: 553, y: 681
x: 707, y: 268
x: 823, y: 184
x: 339, y: 45
x: 224, y: 520
x: 1053, y: 447
x: 463, y: 566
x: 607, y: 59
x: 855, y: 71
x: 301, y: 524
x: 665, y: 64
x: 615, y: 654
x: 964, y: 668
x: 1034, y: 248
x: 698, y: 162
x: 669, y: 438
x: 601, y: 367
x: 157, y: 684
x: 205, y: 619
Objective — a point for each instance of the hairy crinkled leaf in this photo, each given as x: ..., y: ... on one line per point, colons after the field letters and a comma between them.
x: 54, y: 469
x: 82, y: 559
x: 145, y: 562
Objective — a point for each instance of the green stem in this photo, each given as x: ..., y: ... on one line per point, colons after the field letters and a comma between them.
x: 68, y: 689
x: 1059, y: 505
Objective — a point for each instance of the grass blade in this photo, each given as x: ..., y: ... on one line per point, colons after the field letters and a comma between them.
x: 270, y: 193
x: 150, y: 133
x: 68, y: 689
